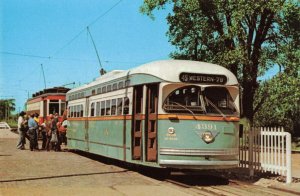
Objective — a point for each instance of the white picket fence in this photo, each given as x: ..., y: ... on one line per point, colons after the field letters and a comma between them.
x: 266, y: 149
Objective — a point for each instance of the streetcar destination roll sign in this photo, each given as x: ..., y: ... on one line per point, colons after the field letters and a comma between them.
x: 202, y: 78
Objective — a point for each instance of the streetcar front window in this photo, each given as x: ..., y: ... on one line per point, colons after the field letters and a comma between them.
x: 218, y: 101
x: 184, y: 100
x: 53, y: 106
x: 212, y: 100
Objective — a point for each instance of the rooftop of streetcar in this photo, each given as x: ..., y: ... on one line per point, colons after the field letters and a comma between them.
x: 166, y: 70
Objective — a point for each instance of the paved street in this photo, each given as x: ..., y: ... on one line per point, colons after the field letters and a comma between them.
x: 23, y: 172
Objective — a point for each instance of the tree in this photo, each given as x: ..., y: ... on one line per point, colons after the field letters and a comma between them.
x: 247, y: 37
x: 6, y: 107
x: 281, y: 106
x: 279, y: 97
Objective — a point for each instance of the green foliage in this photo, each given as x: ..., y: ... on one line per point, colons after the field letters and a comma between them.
x: 6, y: 107
x: 281, y: 94
x: 282, y: 104
x: 13, y: 121
x: 247, y: 37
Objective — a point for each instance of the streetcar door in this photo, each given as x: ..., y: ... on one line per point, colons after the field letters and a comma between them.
x: 137, y: 121
x: 151, y: 121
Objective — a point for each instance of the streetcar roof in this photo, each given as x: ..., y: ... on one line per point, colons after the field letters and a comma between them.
x: 165, y: 70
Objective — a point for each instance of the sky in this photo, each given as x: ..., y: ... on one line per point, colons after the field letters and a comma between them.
x: 52, y: 35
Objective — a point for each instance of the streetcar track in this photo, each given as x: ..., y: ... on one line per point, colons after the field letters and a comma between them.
x: 215, y: 191
x: 231, y: 190
x: 234, y: 188
x: 178, y: 183
x: 61, y: 176
x: 284, y: 190
x: 210, y: 191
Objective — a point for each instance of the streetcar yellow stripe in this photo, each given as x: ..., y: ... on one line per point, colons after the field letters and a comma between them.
x: 189, y: 117
x: 159, y: 117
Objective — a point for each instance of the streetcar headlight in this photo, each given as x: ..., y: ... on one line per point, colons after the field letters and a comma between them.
x: 208, y: 137
x: 171, y: 130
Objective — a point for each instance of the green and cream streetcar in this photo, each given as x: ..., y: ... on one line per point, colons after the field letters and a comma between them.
x: 171, y: 114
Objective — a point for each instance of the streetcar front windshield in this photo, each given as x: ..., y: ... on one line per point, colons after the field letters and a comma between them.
x: 184, y: 100
x: 194, y: 100
x: 218, y: 101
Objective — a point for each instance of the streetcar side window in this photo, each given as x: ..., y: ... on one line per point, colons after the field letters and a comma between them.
x: 98, y: 109
x: 107, y: 111
x: 81, y: 110
x: 115, y: 86
x: 102, y: 108
x: 93, y: 109
x: 77, y: 111
x: 113, y: 106
x: 120, y: 85
x: 126, y: 106
x: 104, y: 89
x: 108, y: 88
x: 74, y: 111
x: 119, y: 106
x: 71, y: 111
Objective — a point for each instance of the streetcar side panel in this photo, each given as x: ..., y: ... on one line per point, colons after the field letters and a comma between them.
x: 101, y: 128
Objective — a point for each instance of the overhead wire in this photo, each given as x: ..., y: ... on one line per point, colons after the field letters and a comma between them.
x: 84, y: 29
x: 26, y: 55
x: 68, y: 43
x: 68, y: 59
x: 52, y: 57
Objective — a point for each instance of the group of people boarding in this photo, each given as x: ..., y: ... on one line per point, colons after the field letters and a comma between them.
x: 52, y: 131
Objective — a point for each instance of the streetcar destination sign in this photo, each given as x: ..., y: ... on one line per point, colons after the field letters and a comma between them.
x: 202, y: 78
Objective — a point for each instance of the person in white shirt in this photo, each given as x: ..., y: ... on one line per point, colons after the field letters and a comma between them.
x: 21, y: 131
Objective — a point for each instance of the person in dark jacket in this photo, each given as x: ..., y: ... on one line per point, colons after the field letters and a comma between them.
x: 32, y: 125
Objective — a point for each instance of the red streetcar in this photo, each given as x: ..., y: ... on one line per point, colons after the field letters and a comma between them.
x: 48, y: 101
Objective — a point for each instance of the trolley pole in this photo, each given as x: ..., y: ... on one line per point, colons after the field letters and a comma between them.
x: 43, y: 75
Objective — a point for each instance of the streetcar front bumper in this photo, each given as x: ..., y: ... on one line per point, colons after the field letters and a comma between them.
x: 199, y: 158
